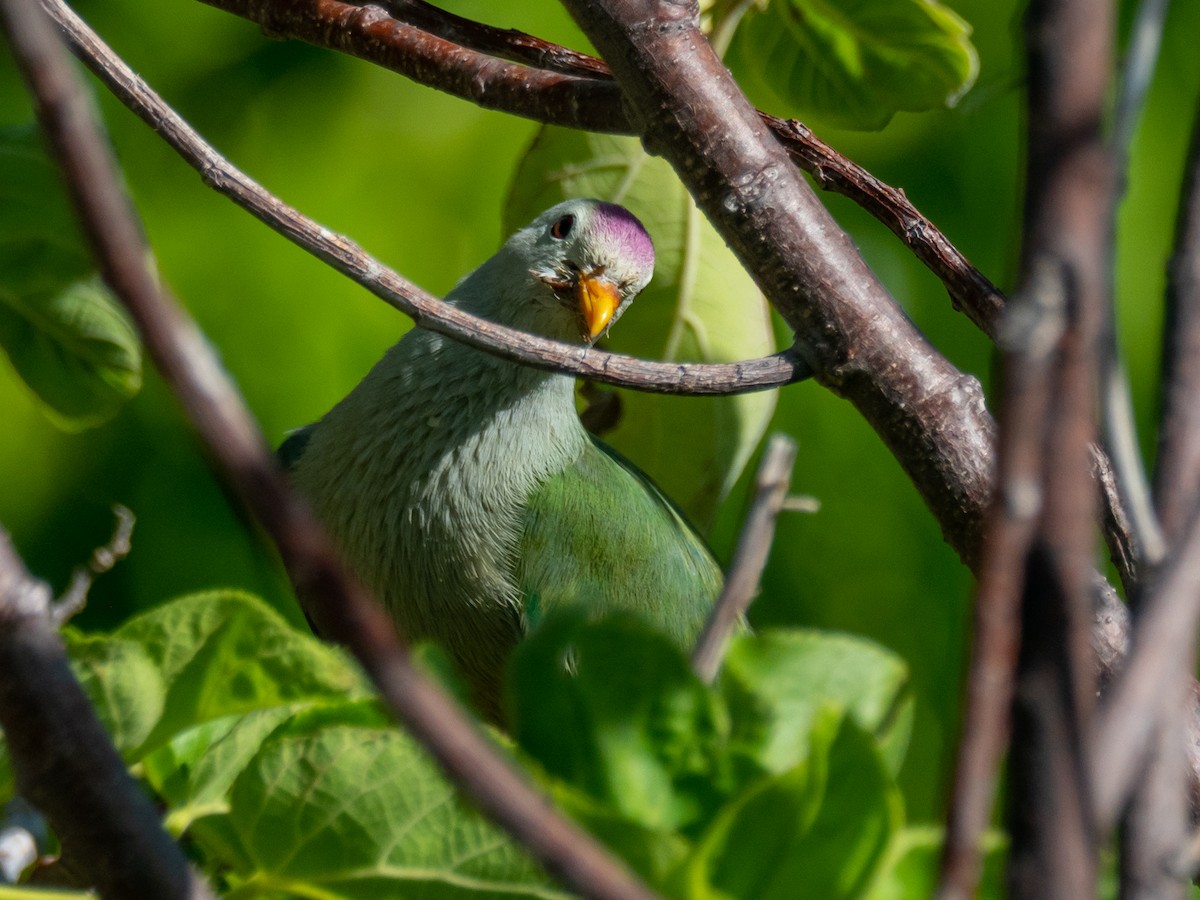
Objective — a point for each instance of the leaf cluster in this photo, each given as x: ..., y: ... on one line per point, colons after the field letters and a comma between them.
x: 273, y: 761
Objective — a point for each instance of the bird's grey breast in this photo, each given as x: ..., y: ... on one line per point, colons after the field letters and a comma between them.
x: 423, y: 473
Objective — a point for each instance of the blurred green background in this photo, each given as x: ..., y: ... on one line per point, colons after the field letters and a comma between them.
x: 418, y: 178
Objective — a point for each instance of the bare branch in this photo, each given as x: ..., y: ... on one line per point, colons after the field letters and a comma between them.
x: 750, y: 558
x: 1157, y: 818
x: 103, y: 558
x: 1118, y: 533
x: 426, y: 310
x: 1168, y: 613
x: 459, y: 57
x: 505, y: 43
x: 1177, y: 477
x: 339, y: 606
x: 1116, y: 404
x: 1033, y: 608
x: 1136, y: 701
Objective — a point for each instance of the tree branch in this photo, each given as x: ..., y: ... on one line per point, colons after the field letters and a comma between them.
x: 427, y: 311
x: 458, y: 56
x: 1157, y: 819
x: 1116, y: 404
x: 65, y: 764
x: 1167, y: 614
x: 340, y: 607
x: 750, y: 558
x: 1030, y: 656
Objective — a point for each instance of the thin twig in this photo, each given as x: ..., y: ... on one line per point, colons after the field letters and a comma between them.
x: 750, y: 558
x: 460, y: 57
x: 1118, y: 534
x: 1167, y: 616
x: 505, y: 43
x: 1136, y: 700
x: 339, y: 606
x: 103, y: 558
x: 1177, y: 476
x: 426, y: 310
x: 1156, y: 819
x: 1116, y: 402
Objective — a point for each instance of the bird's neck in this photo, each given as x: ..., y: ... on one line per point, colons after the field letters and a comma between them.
x: 488, y: 412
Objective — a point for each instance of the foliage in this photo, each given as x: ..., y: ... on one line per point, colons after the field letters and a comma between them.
x: 250, y: 734
x: 285, y: 777
x: 66, y: 335
x: 853, y: 64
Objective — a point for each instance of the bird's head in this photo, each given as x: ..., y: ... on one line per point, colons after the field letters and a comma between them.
x: 584, y: 261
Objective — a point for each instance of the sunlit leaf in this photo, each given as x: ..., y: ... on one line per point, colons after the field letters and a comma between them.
x: 227, y: 652
x: 358, y: 812
x: 777, y: 681
x: 65, y: 334
x: 911, y: 869
x: 853, y: 64
x: 627, y: 723
x: 819, y: 830
x: 701, y: 306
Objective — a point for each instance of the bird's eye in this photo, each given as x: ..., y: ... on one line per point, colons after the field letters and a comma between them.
x: 560, y: 229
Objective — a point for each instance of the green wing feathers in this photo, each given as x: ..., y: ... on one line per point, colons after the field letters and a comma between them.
x: 601, y: 535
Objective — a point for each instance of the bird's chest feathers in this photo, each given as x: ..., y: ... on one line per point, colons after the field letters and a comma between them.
x: 441, y: 490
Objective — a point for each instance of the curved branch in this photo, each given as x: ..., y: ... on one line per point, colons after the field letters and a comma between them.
x: 428, y: 311
x: 339, y: 606
x: 459, y: 57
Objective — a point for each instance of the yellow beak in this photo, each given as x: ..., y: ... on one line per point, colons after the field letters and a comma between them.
x: 598, y: 299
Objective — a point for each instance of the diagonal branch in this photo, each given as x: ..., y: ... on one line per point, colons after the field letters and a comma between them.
x: 425, y: 310
x: 458, y: 56
x: 338, y: 604
x: 65, y: 764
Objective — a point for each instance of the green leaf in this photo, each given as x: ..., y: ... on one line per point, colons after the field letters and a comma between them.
x: 63, y: 331
x: 8, y: 892
x: 856, y: 63
x: 777, y: 681
x: 204, y: 658
x: 124, y: 684
x: 629, y: 725
x: 358, y: 812
x: 911, y: 868
x: 654, y: 853
x: 700, y: 306
x: 819, y: 830
x: 226, y: 652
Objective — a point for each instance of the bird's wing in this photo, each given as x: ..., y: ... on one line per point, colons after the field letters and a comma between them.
x: 293, y: 447
x: 601, y: 535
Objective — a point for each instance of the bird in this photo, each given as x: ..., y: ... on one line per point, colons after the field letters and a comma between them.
x: 462, y: 487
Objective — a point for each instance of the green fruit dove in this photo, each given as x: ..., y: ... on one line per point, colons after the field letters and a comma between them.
x: 463, y: 489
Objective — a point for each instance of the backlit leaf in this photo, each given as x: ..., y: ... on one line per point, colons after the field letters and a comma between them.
x: 853, y: 64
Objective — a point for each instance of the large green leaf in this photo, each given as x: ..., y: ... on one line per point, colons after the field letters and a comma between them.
x: 819, y: 830
x: 67, y: 337
x: 911, y: 869
x: 203, y: 658
x: 856, y: 63
x: 625, y: 721
x: 358, y: 812
x: 777, y: 681
x: 701, y: 305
